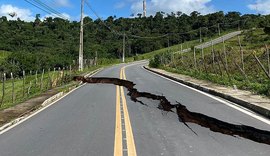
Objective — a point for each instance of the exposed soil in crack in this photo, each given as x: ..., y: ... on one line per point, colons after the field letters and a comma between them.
x: 184, y: 115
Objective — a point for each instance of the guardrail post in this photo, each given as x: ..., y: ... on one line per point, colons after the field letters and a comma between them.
x: 3, y: 89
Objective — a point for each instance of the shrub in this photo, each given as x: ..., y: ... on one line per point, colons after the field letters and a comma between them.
x: 155, y: 62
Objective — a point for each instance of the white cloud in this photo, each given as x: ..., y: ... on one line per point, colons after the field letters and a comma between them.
x: 62, y: 3
x: 261, y: 6
x: 168, y: 6
x: 23, y: 14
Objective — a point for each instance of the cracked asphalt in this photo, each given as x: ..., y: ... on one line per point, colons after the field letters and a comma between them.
x: 84, y: 123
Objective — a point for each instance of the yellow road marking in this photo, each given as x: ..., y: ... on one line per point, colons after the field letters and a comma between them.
x: 123, y: 73
x: 118, y: 147
x: 129, y: 134
x: 118, y: 144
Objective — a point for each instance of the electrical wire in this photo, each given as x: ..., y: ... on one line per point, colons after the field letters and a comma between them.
x: 48, y: 8
x: 37, y: 6
x: 152, y: 37
x: 44, y: 7
x: 95, y: 13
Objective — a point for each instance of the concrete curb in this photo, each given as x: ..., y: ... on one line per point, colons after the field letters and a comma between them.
x: 46, y: 102
x: 260, y: 110
x: 52, y: 99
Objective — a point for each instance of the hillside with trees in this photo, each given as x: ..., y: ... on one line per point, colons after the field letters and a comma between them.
x: 54, y: 42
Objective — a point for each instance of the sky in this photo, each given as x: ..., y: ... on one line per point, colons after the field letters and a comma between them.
x: 70, y: 9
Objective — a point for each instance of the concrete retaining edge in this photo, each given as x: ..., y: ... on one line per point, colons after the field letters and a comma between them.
x: 46, y: 102
x: 260, y: 110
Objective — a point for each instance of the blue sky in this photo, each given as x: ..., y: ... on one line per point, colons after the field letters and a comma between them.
x: 124, y: 8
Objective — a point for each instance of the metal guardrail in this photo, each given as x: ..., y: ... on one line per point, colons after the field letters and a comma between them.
x: 212, y: 42
x: 218, y: 40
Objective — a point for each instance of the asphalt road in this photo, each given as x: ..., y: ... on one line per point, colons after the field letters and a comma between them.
x: 84, y: 123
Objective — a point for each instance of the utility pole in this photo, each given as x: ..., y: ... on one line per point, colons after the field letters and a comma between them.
x: 144, y: 8
x: 124, y: 47
x: 81, y: 39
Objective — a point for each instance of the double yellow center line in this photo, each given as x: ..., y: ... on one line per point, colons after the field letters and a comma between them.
x: 124, y: 141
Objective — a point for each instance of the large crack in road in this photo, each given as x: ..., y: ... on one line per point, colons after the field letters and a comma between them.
x: 184, y: 115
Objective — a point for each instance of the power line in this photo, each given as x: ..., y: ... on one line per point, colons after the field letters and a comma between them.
x: 37, y: 6
x: 44, y: 7
x: 49, y: 8
x: 151, y: 37
x: 96, y: 14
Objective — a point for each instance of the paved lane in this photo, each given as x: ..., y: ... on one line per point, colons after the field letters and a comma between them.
x: 81, y: 124
x: 160, y: 133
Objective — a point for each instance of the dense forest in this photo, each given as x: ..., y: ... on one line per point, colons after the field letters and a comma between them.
x: 54, y: 42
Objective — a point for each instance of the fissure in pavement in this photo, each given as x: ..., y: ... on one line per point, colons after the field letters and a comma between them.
x: 185, y: 116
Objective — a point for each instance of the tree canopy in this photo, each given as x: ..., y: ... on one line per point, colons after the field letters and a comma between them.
x: 54, y: 42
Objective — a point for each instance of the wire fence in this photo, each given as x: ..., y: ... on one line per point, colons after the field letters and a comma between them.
x: 232, y: 63
x: 15, y: 89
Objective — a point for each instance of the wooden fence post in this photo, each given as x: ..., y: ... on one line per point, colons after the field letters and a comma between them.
x: 195, y: 61
x: 3, y: 89
x: 259, y: 62
x: 29, y: 88
x: 53, y: 77
x: 213, y: 56
x: 12, y: 79
x: 224, y: 66
x: 268, y: 58
x: 70, y: 71
x: 36, y: 78
x: 96, y: 59
x: 225, y: 53
x: 242, y: 54
x: 49, y: 82
x: 59, y: 75
x: 23, y: 84
x: 202, y: 53
x: 219, y: 66
x: 172, y: 58
x: 63, y: 75
x: 41, y: 80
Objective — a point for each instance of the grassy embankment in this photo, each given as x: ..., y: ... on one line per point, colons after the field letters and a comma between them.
x: 175, y: 48
x: 34, y: 85
x: 247, y: 75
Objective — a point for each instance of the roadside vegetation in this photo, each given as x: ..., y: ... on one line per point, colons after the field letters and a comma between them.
x: 53, y: 43
x: 21, y: 88
x: 235, y: 63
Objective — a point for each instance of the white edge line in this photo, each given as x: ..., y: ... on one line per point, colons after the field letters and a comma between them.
x: 235, y: 106
x: 43, y: 108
